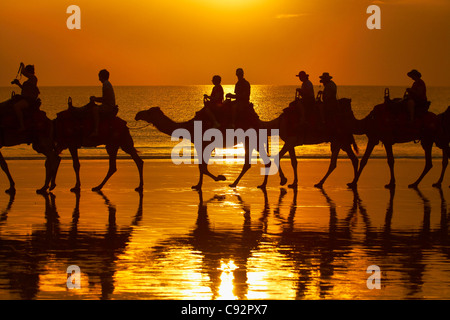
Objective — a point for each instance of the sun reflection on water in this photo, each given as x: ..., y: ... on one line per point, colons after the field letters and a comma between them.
x: 226, y: 288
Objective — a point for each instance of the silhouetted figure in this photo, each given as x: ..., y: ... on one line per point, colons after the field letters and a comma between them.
x: 108, y: 100
x: 241, y: 94
x: 305, y: 94
x: 417, y: 94
x: 29, y: 94
x: 329, y: 94
x: 215, y: 100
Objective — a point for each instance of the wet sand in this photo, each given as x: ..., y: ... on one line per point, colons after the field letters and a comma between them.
x: 175, y: 243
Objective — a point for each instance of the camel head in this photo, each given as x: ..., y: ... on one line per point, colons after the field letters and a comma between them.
x: 149, y: 115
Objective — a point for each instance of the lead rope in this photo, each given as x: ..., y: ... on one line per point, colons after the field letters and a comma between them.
x: 138, y: 128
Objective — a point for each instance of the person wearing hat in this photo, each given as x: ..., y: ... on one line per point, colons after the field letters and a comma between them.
x: 307, y: 89
x: 28, y: 95
x: 329, y: 93
x: 306, y: 92
x: 417, y: 94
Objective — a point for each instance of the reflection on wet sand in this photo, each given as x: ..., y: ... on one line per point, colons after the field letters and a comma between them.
x: 268, y: 250
x: 95, y: 252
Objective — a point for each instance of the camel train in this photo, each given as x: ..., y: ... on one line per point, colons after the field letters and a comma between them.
x: 21, y: 121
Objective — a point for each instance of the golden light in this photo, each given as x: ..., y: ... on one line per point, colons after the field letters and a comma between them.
x: 226, y: 280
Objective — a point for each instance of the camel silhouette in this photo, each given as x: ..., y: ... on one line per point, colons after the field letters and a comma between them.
x: 390, y: 123
x: 38, y: 132
x: 166, y: 125
x: 73, y: 130
x: 336, y: 130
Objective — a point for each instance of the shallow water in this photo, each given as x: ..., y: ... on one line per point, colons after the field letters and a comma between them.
x: 175, y: 243
x: 181, y: 102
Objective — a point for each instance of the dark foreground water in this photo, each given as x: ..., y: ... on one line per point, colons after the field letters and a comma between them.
x: 173, y: 243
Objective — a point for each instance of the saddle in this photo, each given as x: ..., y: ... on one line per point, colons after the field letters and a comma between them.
x: 8, y: 117
x: 77, y: 125
x: 315, y: 123
x: 246, y: 116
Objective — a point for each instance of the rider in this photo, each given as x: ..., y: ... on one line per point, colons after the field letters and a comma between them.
x: 29, y: 94
x: 329, y: 94
x: 107, y: 100
x: 214, y: 100
x: 306, y: 92
x: 417, y: 94
x: 241, y: 94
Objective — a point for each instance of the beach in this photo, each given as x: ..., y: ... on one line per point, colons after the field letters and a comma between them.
x: 171, y: 242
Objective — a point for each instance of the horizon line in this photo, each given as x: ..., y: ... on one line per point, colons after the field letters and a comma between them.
x: 232, y: 84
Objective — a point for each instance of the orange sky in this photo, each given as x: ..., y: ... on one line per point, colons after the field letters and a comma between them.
x: 182, y: 42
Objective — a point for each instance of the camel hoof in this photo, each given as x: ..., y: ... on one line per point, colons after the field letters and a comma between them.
x: 97, y: 188
x: 391, y: 186
x: 11, y: 190
x: 283, y: 181
x: 351, y: 185
x: 42, y: 190
x: 75, y: 189
x: 139, y: 189
x: 221, y: 178
x: 52, y: 186
x: 437, y: 185
x: 196, y: 187
x: 293, y: 185
x: 233, y: 185
x: 319, y: 185
x: 262, y: 187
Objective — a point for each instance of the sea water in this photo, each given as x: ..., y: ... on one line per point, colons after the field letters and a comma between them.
x: 181, y: 102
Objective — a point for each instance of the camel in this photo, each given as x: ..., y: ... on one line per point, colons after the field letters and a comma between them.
x: 336, y: 130
x: 164, y: 124
x: 73, y: 129
x: 389, y: 123
x: 38, y: 133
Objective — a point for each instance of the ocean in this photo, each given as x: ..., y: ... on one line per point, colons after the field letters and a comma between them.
x: 181, y: 102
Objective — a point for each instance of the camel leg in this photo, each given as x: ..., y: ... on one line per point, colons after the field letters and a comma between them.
x: 139, y: 164
x: 54, y: 171
x: 428, y: 164
x: 283, y: 179
x: 209, y: 174
x: 333, y: 163
x: 245, y: 168
x: 353, y: 158
x: 112, y: 152
x: 391, y: 162
x: 294, y: 167
x: 5, y: 169
x: 198, y: 186
x: 76, y: 168
x: 445, y: 155
x: 370, y: 146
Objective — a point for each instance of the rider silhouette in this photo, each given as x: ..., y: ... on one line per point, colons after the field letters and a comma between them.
x: 241, y: 94
x: 417, y: 94
x: 107, y: 100
x: 29, y: 94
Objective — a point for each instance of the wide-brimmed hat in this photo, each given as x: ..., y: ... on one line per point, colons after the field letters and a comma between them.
x: 325, y: 76
x: 302, y: 74
x: 413, y: 73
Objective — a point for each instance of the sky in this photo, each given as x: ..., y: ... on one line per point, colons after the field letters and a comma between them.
x: 186, y: 42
